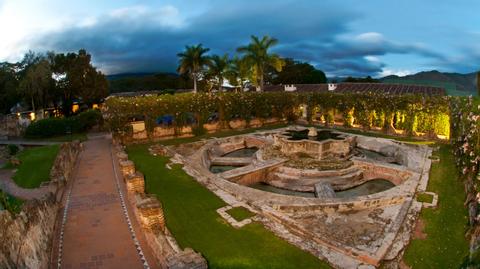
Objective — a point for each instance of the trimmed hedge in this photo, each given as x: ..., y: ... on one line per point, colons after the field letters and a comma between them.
x: 60, y: 126
x: 413, y: 113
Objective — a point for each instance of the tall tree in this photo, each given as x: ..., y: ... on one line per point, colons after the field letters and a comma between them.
x: 258, y: 57
x: 8, y: 87
x: 36, y: 83
x: 238, y: 73
x: 217, y: 70
x: 76, y: 78
x: 296, y: 72
x: 192, y: 62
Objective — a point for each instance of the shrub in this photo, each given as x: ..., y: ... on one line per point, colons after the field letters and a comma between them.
x: 61, y: 126
x: 12, y: 149
x: 46, y: 128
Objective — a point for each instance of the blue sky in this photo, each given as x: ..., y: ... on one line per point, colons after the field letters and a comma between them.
x: 349, y: 37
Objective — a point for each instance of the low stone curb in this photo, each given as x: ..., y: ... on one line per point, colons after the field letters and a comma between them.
x: 237, y: 224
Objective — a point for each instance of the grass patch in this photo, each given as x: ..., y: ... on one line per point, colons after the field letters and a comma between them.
x: 190, y: 211
x: 240, y: 213
x: 35, y: 166
x: 10, y: 203
x: 425, y: 198
x: 445, y: 226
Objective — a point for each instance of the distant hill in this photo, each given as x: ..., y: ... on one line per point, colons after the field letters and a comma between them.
x: 134, y: 82
x: 454, y: 83
x: 128, y: 75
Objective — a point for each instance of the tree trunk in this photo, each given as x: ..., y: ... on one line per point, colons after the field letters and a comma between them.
x: 33, y: 105
x: 194, y: 84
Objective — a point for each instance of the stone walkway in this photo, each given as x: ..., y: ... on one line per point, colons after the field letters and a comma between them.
x: 9, y: 186
x: 97, y: 232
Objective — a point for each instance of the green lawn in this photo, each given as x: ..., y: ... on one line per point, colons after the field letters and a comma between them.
x: 191, y: 216
x: 424, y: 198
x: 445, y: 245
x: 240, y: 213
x: 35, y: 165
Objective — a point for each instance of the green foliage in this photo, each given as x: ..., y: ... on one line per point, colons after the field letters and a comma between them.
x: 257, y: 56
x: 12, y: 149
x: 60, y: 126
x: 367, y: 79
x: 190, y: 214
x: 295, y: 72
x: 35, y: 166
x: 10, y: 203
x: 421, y: 113
x: 192, y: 62
x: 8, y: 87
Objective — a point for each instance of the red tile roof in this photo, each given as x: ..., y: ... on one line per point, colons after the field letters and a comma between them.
x: 364, y: 88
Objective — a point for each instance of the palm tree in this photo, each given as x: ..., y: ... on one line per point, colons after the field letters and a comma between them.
x: 217, y: 69
x: 257, y: 56
x: 238, y: 72
x: 192, y: 61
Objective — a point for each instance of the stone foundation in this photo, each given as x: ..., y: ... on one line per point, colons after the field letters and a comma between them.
x: 135, y: 182
x: 127, y: 167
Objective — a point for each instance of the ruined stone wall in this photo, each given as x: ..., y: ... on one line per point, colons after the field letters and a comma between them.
x: 9, y: 126
x: 166, y: 132
x: 148, y: 211
x: 64, y: 163
x: 25, y: 239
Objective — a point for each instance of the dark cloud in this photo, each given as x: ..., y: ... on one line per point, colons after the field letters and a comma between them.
x: 141, y: 39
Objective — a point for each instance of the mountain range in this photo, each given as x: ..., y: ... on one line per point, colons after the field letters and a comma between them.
x: 454, y: 83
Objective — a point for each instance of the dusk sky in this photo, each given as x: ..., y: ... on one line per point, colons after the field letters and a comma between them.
x: 349, y: 37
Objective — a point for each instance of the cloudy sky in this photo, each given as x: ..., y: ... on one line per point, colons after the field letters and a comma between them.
x: 341, y: 37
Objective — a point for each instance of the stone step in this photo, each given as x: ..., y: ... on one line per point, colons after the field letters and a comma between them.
x: 232, y: 161
x: 307, y: 184
x: 316, y: 173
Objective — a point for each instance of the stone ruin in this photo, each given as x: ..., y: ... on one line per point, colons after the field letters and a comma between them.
x: 149, y: 212
x: 320, y: 207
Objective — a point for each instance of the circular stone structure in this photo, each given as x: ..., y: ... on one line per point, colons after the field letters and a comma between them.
x: 322, y: 210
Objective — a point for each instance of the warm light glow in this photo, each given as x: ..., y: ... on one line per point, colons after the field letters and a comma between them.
x: 32, y: 116
x: 75, y: 108
x: 95, y: 106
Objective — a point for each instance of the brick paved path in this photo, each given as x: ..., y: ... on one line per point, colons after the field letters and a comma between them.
x: 96, y: 232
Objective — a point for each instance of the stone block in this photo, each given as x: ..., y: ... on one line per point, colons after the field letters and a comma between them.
x: 187, y: 259
x: 135, y: 182
x: 150, y: 212
x: 127, y: 168
x: 122, y: 156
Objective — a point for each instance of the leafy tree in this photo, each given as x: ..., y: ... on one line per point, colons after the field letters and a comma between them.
x: 8, y: 87
x: 192, y: 62
x: 217, y: 70
x: 77, y: 78
x: 36, y: 84
x: 238, y: 73
x: 296, y: 72
x: 257, y: 56
x: 367, y: 79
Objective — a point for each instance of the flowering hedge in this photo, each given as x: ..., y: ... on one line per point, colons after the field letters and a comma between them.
x: 412, y: 113
x: 466, y: 141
